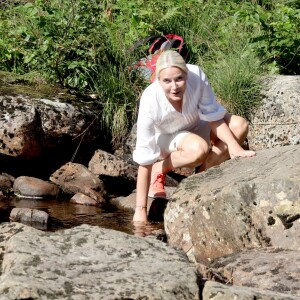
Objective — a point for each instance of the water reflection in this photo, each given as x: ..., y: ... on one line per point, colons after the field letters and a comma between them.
x: 64, y: 214
x: 143, y: 230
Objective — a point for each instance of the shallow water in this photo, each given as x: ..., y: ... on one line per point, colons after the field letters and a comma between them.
x: 63, y: 214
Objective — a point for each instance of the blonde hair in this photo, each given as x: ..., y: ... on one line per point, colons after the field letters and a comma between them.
x: 170, y: 58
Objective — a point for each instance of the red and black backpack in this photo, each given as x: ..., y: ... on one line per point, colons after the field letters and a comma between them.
x: 156, y: 45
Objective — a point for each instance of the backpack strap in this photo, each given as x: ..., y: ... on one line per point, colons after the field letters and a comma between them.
x: 148, y: 39
x: 177, y: 42
x: 158, y: 44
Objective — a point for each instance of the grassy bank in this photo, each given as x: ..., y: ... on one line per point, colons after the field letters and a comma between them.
x: 84, y: 45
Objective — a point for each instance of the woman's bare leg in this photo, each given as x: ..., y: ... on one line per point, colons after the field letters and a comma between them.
x: 219, y: 152
x: 192, y: 151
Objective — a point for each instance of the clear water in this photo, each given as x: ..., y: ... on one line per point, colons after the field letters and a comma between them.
x: 64, y: 214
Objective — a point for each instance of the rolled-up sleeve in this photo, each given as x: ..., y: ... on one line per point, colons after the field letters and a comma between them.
x: 208, y: 107
x: 146, y: 151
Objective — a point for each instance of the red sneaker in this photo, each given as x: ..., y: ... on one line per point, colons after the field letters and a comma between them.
x: 157, y: 183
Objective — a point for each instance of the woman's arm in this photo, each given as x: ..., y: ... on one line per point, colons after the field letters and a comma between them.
x: 142, y: 186
x: 222, y: 131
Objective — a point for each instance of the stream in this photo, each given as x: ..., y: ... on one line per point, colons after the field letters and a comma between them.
x: 63, y: 215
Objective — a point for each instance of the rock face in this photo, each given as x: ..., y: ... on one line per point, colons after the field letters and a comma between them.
x: 118, y: 174
x: 28, y: 125
x: 76, y: 178
x: 7, y: 230
x: 243, y: 203
x: 103, y: 163
x: 88, y: 262
x: 276, y: 270
x: 217, y: 291
x: 6, y: 182
x: 277, y: 121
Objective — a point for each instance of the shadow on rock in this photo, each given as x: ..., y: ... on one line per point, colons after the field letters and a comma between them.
x: 157, y: 209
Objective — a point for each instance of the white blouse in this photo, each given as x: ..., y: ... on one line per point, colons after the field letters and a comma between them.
x: 157, y: 115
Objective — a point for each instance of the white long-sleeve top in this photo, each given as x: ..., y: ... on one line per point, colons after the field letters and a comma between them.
x: 157, y: 115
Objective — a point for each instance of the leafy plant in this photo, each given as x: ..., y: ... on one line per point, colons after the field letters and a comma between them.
x: 280, y: 40
x: 277, y: 35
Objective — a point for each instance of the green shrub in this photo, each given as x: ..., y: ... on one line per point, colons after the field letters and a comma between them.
x: 58, y: 38
x: 117, y: 87
x: 277, y: 39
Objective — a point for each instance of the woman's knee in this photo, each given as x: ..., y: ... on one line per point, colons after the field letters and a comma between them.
x: 239, y: 126
x: 197, y: 151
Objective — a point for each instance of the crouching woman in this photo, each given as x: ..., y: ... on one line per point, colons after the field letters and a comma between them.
x: 180, y: 124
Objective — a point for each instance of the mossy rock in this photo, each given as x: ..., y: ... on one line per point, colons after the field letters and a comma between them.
x: 36, y: 87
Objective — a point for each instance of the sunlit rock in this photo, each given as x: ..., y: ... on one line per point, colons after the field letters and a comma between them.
x: 276, y: 122
x: 74, y: 178
x: 35, y: 188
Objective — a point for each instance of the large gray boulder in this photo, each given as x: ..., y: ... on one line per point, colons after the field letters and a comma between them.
x: 7, y: 230
x: 88, y: 262
x: 277, y: 121
x: 243, y: 203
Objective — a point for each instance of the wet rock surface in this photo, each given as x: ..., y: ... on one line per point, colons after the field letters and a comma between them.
x: 80, y: 198
x: 30, y: 187
x: 32, y: 217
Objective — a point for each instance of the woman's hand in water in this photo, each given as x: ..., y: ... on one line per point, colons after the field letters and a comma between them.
x: 140, y: 221
x: 140, y: 214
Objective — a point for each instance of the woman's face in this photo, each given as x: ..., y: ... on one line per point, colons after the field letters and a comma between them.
x: 173, y: 82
